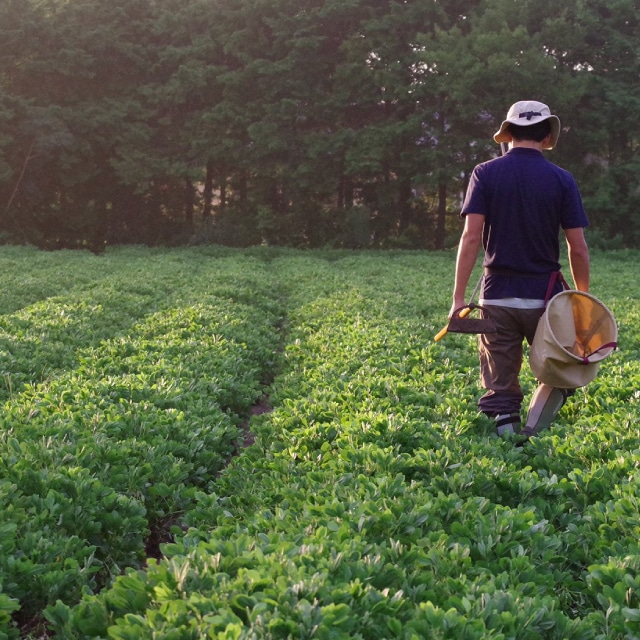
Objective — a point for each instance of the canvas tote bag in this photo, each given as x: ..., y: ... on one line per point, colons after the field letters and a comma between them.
x: 575, y: 333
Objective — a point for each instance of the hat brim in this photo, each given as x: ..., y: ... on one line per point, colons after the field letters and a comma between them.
x: 503, y: 136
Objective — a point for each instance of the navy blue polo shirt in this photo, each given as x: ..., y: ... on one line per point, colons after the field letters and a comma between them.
x: 525, y: 200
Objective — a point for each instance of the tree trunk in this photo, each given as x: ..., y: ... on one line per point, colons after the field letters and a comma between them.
x: 404, y: 204
x: 189, y: 202
x: 98, y: 239
x: 148, y: 230
x: 207, y: 193
x: 442, y: 215
x: 243, y: 189
x: 345, y: 193
x: 223, y: 192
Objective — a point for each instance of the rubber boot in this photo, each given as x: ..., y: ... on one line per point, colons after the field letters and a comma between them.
x: 508, y: 424
x: 543, y: 408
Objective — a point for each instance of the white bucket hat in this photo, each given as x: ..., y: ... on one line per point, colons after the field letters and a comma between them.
x: 529, y: 112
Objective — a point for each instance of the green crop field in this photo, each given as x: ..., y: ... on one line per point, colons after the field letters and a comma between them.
x: 216, y: 443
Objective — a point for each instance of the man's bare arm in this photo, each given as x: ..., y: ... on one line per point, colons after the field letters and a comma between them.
x: 578, y: 258
x: 470, y: 243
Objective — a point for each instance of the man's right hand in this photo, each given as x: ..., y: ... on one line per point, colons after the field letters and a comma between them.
x: 457, y: 304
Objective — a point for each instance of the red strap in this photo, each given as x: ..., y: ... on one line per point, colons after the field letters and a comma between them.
x: 556, y: 276
x: 609, y: 345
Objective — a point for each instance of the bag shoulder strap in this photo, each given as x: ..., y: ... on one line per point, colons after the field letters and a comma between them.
x: 556, y: 276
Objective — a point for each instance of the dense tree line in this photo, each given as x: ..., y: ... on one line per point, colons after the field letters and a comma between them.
x: 300, y: 122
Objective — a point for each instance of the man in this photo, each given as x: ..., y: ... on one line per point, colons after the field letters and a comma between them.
x: 515, y: 207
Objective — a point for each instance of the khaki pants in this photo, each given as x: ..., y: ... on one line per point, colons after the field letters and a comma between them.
x: 501, y: 355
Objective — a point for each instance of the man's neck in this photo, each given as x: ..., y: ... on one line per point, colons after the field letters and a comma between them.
x: 526, y: 144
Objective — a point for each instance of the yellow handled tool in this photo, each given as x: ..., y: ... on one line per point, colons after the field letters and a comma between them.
x: 461, y: 313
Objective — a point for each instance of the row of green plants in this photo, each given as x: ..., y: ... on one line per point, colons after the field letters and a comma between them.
x: 374, y: 503
x: 124, y: 394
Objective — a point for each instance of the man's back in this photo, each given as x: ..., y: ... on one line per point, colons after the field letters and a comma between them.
x: 526, y: 200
